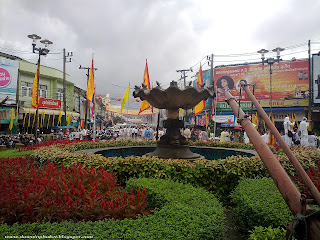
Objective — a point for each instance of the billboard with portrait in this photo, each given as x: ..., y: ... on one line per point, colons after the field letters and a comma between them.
x: 316, y: 78
x: 8, y: 80
x: 289, y: 83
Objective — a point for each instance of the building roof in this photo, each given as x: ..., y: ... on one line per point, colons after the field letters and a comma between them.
x: 12, y: 57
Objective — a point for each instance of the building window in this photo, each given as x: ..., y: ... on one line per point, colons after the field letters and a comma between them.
x: 43, y: 91
x: 76, y: 104
x: 26, y: 89
x: 60, y: 94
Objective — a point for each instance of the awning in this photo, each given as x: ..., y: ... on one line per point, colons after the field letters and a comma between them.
x: 47, y: 111
x: 62, y: 127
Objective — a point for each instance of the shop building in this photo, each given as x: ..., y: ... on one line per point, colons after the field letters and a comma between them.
x: 18, y: 76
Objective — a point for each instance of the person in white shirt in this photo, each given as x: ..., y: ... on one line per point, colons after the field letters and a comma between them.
x: 303, y: 132
x: 161, y: 133
x: 187, y: 133
x: 287, y: 127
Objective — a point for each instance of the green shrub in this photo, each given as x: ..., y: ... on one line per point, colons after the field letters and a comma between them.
x: 269, y: 233
x: 186, y: 213
x: 259, y: 203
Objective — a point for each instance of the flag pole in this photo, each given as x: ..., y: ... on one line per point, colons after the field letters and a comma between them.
x: 94, y: 117
x: 215, y: 117
x: 128, y: 108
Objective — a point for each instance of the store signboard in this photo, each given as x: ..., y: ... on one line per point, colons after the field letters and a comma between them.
x: 289, y: 83
x: 316, y: 79
x: 49, y: 103
x: 231, y: 121
x: 8, y: 80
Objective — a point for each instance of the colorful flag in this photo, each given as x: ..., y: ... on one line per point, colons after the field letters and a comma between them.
x: 146, y: 82
x: 201, y: 105
x: 11, y: 119
x: 125, y: 98
x: 90, y: 87
x: 35, y: 89
x: 93, y: 107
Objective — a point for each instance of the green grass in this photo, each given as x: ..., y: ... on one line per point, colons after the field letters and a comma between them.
x: 14, y: 153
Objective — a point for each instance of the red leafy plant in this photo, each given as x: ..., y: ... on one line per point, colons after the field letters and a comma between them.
x: 314, y: 175
x: 49, y: 143
x: 53, y: 194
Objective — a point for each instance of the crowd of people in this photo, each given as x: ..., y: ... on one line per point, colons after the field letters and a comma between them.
x: 291, y: 134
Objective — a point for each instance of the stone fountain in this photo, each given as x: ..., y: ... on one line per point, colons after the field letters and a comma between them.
x: 173, y: 144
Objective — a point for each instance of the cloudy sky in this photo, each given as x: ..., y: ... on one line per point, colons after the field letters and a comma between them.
x: 170, y: 34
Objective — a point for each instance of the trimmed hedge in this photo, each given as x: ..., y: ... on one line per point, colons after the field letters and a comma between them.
x: 183, y: 212
x: 212, y: 175
x: 259, y: 203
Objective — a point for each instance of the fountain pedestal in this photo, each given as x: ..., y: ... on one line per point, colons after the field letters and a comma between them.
x: 173, y: 144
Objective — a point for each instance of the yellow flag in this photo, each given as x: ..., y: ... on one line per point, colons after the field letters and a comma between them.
x: 90, y: 87
x: 17, y: 112
x: 59, y: 118
x: 24, y: 118
x: 34, y: 119
x: 11, y: 119
x: 146, y: 81
x: 181, y: 112
x: 53, y: 118
x: 35, y: 89
x: 48, y: 121
x: 296, y: 120
x: 42, y: 119
x: 29, y: 118
x: 125, y: 98
x: 273, y: 137
x: 201, y: 105
x: 69, y: 119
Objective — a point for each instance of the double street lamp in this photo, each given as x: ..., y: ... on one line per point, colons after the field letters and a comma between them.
x: 270, y: 62
x: 42, y: 52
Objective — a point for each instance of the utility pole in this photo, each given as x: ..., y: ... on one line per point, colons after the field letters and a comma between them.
x: 86, y: 115
x: 184, y: 82
x: 184, y: 74
x: 211, y: 84
x: 64, y: 122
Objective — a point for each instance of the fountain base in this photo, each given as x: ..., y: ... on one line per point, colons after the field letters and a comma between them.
x: 176, y: 152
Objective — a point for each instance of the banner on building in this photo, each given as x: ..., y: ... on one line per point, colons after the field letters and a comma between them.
x: 115, y: 109
x: 230, y: 121
x: 289, y: 83
x: 315, y: 79
x: 49, y: 103
x: 8, y: 80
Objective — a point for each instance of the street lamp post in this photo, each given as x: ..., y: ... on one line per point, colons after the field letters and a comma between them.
x: 270, y: 62
x: 41, y: 51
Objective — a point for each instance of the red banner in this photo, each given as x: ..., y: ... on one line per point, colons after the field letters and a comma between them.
x: 49, y: 103
x: 289, y: 81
